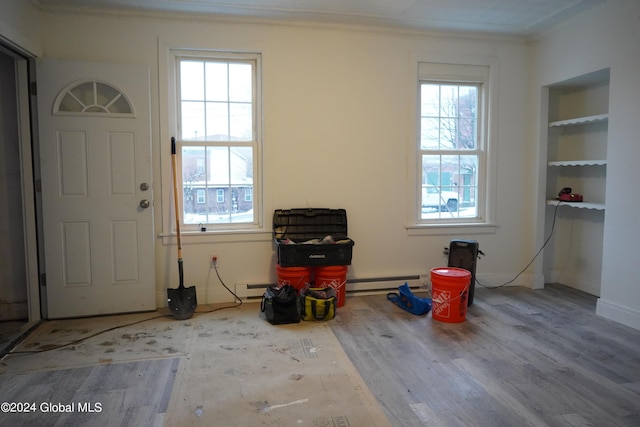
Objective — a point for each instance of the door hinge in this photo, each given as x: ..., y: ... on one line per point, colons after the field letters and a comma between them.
x: 38, y: 186
x: 33, y: 88
x: 43, y: 280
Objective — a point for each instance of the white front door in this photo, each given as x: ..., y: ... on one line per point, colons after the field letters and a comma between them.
x: 97, y: 195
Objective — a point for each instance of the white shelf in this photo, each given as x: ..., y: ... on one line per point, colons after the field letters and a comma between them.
x: 581, y: 205
x: 577, y: 163
x: 580, y: 120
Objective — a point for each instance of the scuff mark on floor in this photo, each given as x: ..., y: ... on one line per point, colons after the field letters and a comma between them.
x: 269, y: 408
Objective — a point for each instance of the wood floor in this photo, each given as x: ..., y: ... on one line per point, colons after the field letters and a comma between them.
x: 522, y: 358
x: 10, y: 332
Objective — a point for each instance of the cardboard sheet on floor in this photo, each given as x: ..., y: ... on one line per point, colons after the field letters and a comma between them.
x: 244, y: 371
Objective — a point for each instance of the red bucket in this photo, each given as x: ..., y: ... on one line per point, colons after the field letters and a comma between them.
x: 449, y: 293
x: 298, y: 277
x: 334, y: 276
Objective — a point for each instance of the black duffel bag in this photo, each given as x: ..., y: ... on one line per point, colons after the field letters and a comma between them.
x: 281, y: 305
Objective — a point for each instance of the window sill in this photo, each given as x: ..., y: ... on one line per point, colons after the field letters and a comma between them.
x: 447, y: 229
x: 226, y: 236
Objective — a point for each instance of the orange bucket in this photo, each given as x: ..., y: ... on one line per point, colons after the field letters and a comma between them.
x: 449, y: 292
x: 334, y: 276
x: 298, y: 277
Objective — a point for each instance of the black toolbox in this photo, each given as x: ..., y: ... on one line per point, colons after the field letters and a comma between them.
x: 301, y: 237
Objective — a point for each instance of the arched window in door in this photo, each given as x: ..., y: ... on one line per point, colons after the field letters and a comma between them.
x: 92, y: 98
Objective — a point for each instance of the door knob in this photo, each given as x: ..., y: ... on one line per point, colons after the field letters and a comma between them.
x: 144, y: 203
x: 144, y: 186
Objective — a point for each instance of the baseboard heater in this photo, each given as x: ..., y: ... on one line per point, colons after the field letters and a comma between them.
x: 369, y: 286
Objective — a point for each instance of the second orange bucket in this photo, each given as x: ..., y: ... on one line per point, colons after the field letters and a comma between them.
x: 334, y: 276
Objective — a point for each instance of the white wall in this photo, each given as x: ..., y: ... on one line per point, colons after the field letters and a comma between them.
x: 608, y: 37
x: 20, y: 25
x: 337, y: 134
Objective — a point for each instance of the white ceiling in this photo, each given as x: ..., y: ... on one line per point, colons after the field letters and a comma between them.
x: 505, y: 17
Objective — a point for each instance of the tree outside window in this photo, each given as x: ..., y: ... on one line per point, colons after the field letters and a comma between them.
x: 449, y: 149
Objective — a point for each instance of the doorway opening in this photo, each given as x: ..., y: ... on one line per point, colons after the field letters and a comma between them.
x: 19, y: 279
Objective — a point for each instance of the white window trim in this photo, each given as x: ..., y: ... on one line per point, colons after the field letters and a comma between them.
x: 168, y: 115
x: 484, y: 225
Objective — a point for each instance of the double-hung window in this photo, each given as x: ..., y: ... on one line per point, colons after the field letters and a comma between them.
x: 452, y: 144
x: 218, y: 138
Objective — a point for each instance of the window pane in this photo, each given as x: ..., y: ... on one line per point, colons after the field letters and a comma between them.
x: 241, y: 166
x: 217, y: 121
x: 241, y: 122
x: 217, y: 81
x: 449, y: 117
x: 193, y: 181
x: 218, y: 165
x: 449, y: 101
x: 240, y: 83
x: 193, y: 165
x: 468, y: 101
x: 447, y: 134
x: 430, y: 134
x: 449, y: 186
x: 192, y: 123
x: 467, y: 134
x: 222, y: 191
x: 192, y: 80
x: 430, y: 100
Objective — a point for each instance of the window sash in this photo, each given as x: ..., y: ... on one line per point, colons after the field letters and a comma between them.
x: 469, y: 205
x: 226, y: 204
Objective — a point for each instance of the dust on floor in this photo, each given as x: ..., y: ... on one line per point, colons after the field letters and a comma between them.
x: 226, y: 367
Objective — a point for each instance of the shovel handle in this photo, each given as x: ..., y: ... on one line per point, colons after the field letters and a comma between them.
x: 175, y: 195
x: 180, y: 274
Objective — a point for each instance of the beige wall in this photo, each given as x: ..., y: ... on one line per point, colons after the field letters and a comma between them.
x: 337, y: 133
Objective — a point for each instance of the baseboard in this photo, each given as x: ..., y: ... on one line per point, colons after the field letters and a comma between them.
x: 618, y: 313
x: 499, y: 280
x: 355, y: 286
x: 581, y: 283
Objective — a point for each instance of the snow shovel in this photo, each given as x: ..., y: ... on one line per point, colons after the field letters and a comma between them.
x: 182, y: 301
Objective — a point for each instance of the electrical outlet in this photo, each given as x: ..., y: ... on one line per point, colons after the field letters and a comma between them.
x: 214, y: 260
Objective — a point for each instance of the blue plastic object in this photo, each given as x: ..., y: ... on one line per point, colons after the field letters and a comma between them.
x: 408, y: 301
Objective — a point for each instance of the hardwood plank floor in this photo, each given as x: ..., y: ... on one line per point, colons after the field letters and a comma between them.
x: 522, y: 358
x: 123, y: 394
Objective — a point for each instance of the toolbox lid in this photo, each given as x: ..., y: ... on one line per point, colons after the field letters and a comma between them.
x: 309, y: 223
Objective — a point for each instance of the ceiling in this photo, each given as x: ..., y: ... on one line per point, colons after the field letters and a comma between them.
x: 503, y: 17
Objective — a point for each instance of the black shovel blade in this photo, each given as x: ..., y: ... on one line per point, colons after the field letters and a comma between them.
x: 182, y: 302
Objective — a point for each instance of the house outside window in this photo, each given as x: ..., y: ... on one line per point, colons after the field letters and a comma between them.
x: 452, y: 145
x: 218, y: 123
